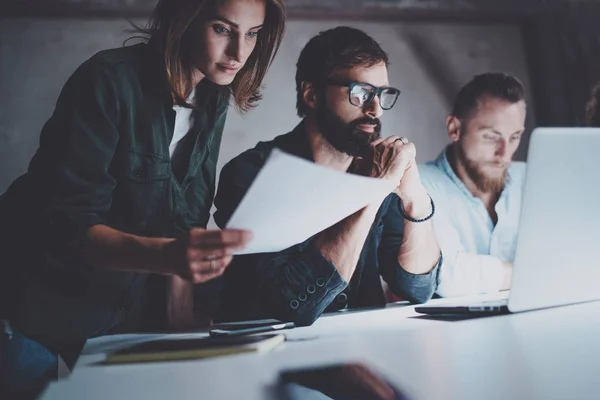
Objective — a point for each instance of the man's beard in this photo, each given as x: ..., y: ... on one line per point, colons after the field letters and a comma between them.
x: 474, y: 170
x: 346, y: 137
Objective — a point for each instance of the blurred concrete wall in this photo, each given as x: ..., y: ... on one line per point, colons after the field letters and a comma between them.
x: 430, y: 61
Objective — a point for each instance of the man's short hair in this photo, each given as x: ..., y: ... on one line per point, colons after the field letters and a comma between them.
x: 338, y: 48
x: 592, y: 109
x: 496, y: 85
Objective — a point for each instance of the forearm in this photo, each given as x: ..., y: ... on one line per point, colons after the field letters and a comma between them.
x: 419, y: 251
x: 342, y: 243
x: 467, y: 274
x: 108, y: 248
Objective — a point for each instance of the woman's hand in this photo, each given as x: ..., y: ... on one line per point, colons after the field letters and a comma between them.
x: 205, y: 254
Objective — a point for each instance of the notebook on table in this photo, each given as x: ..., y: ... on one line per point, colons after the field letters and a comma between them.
x: 186, y: 349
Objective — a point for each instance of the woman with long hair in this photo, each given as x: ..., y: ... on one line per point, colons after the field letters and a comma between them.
x: 105, y: 232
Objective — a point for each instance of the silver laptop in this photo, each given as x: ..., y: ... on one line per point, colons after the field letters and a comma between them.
x: 557, y: 260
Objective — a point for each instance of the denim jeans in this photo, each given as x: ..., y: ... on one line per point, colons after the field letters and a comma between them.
x: 26, y: 366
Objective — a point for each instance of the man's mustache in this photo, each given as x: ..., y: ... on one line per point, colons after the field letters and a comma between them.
x: 499, y: 165
x: 367, y: 121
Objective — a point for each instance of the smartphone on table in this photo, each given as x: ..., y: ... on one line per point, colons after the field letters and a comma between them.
x: 249, y: 327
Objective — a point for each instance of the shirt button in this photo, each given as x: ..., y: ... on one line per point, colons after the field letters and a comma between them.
x: 310, y: 289
x: 294, y: 304
x: 320, y: 282
x: 302, y: 296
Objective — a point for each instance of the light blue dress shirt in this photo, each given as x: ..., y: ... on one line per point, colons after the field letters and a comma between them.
x: 473, y: 248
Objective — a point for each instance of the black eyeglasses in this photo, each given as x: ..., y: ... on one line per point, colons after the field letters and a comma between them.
x: 361, y: 93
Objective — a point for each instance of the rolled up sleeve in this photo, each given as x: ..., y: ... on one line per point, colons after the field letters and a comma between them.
x: 416, y: 288
x: 467, y: 274
x: 296, y: 284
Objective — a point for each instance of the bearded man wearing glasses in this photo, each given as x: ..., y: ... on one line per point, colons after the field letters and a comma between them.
x: 342, y: 90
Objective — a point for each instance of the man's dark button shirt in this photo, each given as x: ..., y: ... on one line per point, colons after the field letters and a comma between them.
x: 298, y: 284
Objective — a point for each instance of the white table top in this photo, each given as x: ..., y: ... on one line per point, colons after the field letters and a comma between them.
x: 545, y: 354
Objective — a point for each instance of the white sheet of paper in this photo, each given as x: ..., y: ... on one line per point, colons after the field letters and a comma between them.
x: 292, y: 199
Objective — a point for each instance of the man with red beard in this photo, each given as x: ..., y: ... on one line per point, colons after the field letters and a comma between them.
x: 342, y: 90
x: 477, y: 188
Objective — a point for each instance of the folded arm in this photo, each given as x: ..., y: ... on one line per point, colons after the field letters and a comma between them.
x: 464, y: 273
x: 409, y: 259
